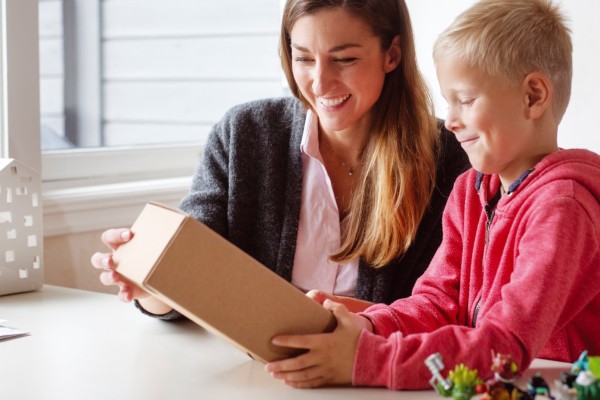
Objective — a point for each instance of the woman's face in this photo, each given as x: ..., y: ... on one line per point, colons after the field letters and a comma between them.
x: 339, y: 67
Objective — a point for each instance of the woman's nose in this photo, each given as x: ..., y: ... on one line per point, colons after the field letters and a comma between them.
x: 323, y: 78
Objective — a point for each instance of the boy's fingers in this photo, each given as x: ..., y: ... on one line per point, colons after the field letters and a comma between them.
x: 306, y: 384
x: 299, y: 376
x: 295, y: 341
x: 289, y: 365
x: 338, y: 309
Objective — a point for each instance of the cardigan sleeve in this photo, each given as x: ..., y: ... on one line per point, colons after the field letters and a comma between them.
x: 208, y: 197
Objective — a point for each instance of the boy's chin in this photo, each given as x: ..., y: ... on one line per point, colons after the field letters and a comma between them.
x: 481, y: 166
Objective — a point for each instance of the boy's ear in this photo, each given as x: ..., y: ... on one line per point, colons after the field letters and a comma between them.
x: 538, y: 92
x: 393, y: 56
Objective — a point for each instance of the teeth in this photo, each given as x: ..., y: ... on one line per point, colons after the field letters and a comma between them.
x: 333, y: 102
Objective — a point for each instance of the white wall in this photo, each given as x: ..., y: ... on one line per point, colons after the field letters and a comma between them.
x: 578, y: 128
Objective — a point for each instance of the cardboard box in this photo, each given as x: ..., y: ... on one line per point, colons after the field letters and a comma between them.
x: 215, y: 284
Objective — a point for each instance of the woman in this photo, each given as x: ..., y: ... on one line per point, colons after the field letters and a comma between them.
x: 340, y: 188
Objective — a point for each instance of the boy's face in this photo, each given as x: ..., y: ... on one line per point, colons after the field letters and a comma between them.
x: 488, y: 118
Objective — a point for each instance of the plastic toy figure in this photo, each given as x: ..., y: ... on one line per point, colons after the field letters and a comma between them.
x: 587, y: 382
x: 583, y: 381
x: 462, y: 383
x: 537, y: 385
x: 582, y: 364
x: 502, y: 386
x: 587, y: 385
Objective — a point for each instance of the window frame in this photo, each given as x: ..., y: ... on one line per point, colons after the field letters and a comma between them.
x: 93, y: 188
x: 19, y: 83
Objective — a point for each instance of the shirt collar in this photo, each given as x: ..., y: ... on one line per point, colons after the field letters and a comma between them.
x: 310, y: 136
x: 512, y: 188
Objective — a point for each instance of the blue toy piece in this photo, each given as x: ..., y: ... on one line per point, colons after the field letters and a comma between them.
x: 582, y: 364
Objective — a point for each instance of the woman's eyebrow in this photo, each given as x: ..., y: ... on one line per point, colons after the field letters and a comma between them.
x: 331, y: 50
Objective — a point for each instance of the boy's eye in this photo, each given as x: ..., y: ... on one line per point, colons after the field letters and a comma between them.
x: 466, y: 102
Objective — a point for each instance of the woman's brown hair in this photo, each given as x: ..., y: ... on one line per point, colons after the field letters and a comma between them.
x: 399, y: 159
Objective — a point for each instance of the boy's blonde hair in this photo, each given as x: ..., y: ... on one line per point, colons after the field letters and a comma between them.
x: 509, y: 39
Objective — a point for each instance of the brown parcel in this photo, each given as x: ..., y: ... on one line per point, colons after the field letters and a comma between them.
x: 215, y: 284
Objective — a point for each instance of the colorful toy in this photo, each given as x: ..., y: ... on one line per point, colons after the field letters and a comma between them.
x: 583, y: 380
x: 538, y: 385
x: 502, y: 385
x: 462, y: 383
x: 582, y: 364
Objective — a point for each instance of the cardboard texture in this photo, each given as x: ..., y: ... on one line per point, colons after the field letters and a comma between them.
x: 215, y: 284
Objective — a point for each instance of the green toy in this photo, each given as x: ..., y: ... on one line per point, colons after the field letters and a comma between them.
x: 461, y: 384
x: 588, y: 381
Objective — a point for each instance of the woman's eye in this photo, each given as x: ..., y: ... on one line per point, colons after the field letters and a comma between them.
x: 346, y: 60
x: 302, y: 60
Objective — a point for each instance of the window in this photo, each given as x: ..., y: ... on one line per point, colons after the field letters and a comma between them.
x: 130, y: 89
x: 139, y: 72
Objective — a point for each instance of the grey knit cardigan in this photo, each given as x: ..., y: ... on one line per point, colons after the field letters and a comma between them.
x: 248, y: 188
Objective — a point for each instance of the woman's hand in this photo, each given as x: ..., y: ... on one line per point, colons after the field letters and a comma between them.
x: 114, y: 238
x: 330, y: 356
x: 352, y: 304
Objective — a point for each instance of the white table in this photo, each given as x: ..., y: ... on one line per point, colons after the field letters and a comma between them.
x: 86, y: 345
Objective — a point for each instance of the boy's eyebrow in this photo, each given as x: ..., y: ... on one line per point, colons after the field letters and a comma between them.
x: 331, y: 50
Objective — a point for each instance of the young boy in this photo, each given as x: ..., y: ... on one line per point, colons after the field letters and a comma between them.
x: 518, y: 270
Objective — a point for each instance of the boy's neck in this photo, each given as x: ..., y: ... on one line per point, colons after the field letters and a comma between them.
x: 544, y: 143
x: 507, y: 179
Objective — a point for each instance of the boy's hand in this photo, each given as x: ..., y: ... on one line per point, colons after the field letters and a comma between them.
x: 330, y: 356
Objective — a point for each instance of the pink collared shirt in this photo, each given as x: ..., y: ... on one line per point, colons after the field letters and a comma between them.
x: 319, y: 230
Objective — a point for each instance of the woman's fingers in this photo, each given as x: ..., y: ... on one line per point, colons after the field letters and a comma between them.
x: 127, y: 290
x: 319, y: 296
x: 102, y: 261
x: 113, y: 238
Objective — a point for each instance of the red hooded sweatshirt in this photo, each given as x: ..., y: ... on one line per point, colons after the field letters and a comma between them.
x: 521, y: 278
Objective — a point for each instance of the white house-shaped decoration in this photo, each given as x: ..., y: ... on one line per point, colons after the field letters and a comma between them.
x: 21, y: 231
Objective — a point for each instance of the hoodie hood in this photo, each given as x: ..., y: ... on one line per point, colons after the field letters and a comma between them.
x: 580, y: 166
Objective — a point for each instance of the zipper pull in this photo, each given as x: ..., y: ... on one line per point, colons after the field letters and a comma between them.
x: 489, y: 213
x: 477, y: 307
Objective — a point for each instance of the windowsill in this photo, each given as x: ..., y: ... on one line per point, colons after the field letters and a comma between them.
x: 94, y: 189
x: 98, y: 207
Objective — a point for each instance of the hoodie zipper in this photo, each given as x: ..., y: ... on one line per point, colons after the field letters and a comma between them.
x: 490, y: 212
x: 477, y: 307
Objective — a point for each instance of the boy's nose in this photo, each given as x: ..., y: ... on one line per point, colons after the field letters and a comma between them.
x: 452, y: 123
